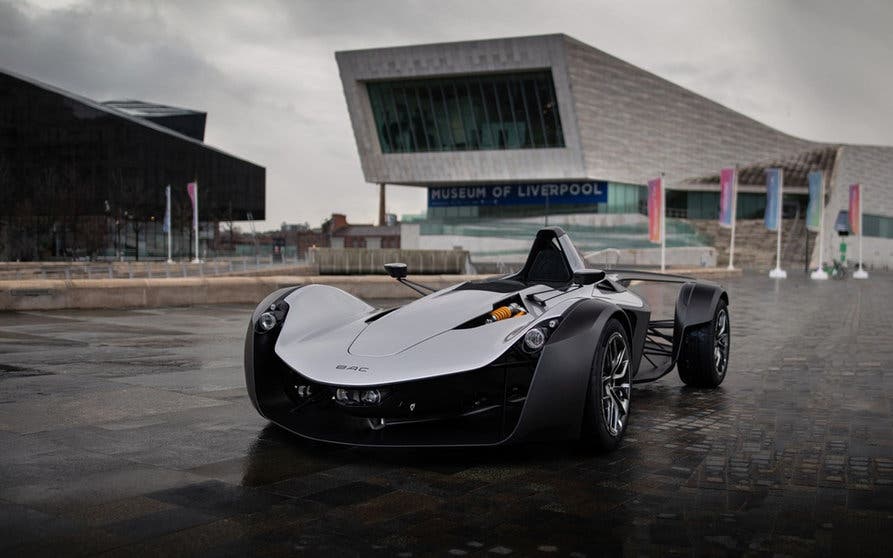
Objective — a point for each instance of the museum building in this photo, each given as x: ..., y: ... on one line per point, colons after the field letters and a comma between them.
x: 506, y: 133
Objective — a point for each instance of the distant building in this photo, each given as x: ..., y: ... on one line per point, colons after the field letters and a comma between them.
x: 344, y: 235
x: 79, y: 178
x: 336, y: 232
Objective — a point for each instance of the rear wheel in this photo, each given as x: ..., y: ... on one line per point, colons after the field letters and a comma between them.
x: 607, y: 403
x: 704, y: 357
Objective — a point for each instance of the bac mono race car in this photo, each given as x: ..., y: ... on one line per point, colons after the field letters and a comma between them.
x: 550, y: 352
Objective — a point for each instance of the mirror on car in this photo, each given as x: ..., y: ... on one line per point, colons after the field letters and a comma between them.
x: 396, y: 270
x: 588, y: 276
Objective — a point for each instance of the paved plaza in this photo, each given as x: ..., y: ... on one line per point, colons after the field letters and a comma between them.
x: 130, y: 433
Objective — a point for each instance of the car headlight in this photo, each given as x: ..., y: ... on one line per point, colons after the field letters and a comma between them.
x: 266, y: 322
x: 534, y: 339
x: 361, y: 397
x: 371, y: 397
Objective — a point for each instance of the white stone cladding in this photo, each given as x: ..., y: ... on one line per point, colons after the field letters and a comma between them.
x: 872, y: 167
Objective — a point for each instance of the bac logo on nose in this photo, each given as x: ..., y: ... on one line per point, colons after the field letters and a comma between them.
x: 354, y: 368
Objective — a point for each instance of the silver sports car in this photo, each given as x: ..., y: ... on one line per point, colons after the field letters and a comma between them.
x: 550, y: 352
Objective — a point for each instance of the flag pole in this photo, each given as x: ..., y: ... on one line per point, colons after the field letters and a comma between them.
x: 860, y: 273
x: 734, y: 218
x: 168, y: 222
x: 778, y: 272
x: 663, y: 224
x: 819, y: 272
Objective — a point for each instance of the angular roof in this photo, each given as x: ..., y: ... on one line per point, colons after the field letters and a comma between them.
x: 145, y: 109
x: 115, y: 112
x: 795, y: 168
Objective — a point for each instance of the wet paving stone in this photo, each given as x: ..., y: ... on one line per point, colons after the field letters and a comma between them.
x: 129, y: 433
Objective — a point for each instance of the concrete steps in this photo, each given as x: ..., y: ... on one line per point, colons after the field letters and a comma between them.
x: 755, y: 245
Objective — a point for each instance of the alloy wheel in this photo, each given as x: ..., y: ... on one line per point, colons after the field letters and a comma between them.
x: 615, y: 383
x: 721, y: 342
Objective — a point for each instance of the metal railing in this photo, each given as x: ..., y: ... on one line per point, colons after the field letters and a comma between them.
x: 606, y: 253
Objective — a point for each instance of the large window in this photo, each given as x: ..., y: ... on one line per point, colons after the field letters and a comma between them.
x: 877, y: 226
x: 496, y: 111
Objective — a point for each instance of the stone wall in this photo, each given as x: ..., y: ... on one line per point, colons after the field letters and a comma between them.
x: 359, y: 261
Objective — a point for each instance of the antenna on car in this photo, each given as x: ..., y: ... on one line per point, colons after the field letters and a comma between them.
x: 399, y: 272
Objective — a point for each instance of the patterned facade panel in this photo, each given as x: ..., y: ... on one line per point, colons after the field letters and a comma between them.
x: 635, y: 124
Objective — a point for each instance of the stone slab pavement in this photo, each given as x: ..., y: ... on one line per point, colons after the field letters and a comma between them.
x: 128, y: 432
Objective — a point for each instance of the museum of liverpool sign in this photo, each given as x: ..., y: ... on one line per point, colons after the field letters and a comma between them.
x: 554, y: 193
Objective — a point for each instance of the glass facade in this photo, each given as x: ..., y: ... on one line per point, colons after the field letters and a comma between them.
x: 877, y: 226
x: 705, y: 205
x: 78, y: 180
x: 494, y: 111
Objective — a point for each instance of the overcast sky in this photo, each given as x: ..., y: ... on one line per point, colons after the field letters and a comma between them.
x: 265, y: 70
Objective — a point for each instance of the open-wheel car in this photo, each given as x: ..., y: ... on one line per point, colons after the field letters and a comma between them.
x: 550, y: 352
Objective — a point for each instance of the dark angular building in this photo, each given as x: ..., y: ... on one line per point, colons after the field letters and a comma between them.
x: 83, y: 179
x: 186, y: 121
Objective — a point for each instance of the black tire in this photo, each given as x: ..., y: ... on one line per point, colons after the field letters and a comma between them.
x: 599, y: 432
x: 704, y: 358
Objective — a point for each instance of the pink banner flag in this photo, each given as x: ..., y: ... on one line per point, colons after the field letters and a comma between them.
x: 655, y: 211
x: 855, y: 209
x: 191, y: 190
x: 726, y: 194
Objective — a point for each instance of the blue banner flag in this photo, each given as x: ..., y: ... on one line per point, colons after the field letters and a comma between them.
x: 816, y: 203
x: 773, y: 198
x: 166, y: 228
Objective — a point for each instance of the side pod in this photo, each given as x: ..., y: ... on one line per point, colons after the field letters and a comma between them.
x: 557, y: 395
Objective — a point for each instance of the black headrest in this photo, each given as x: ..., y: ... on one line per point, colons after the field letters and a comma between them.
x: 549, y: 267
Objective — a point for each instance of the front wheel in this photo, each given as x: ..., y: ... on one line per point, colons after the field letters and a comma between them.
x: 607, y: 404
x: 704, y: 357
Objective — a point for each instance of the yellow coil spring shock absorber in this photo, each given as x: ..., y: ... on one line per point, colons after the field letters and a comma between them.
x: 500, y: 313
x: 503, y: 312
